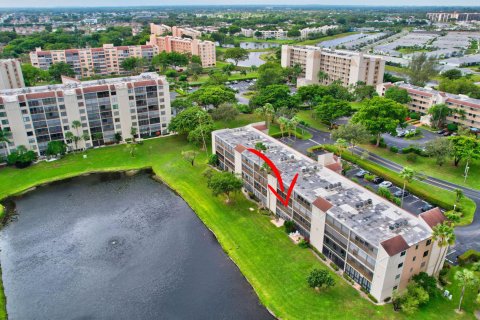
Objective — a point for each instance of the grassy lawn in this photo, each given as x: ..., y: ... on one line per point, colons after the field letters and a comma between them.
x: 276, y: 268
x: 301, y: 134
x: 428, y: 166
x: 395, y: 69
x: 307, y: 116
x: 236, y: 76
x: 240, y: 121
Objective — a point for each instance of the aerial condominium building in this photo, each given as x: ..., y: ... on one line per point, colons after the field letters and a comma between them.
x: 159, y: 29
x: 324, y: 66
x: 88, y: 62
x: 38, y: 115
x: 185, y: 32
x: 423, y: 99
x: 204, y: 49
x: 11, y: 75
x: 304, y: 33
x: 455, y: 16
x: 379, y: 245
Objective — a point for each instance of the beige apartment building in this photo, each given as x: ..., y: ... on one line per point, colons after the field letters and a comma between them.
x: 185, y: 32
x: 159, y: 29
x: 38, y: 115
x: 204, y: 49
x: 378, y: 244
x: 424, y: 98
x: 11, y: 75
x: 348, y: 67
x: 88, y: 62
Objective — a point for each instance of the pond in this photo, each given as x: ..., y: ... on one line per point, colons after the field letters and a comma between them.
x: 253, y: 60
x: 111, y: 246
x: 249, y: 45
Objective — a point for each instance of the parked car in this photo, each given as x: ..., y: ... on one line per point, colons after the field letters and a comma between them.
x: 361, y: 174
x: 426, y: 207
x: 398, y: 193
x: 386, y: 184
x: 401, y: 134
x: 441, y: 131
x: 378, y: 180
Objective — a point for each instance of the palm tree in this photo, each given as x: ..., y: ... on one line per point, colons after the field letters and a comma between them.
x: 322, y: 76
x: 341, y: 145
x: 465, y: 278
x: 439, y: 113
x: 283, y: 123
x: 267, y: 111
x: 445, y: 236
x: 133, y: 133
x: 4, y: 138
x: 407, y: 174
x: 294, y: 123
x: 76, y: 124
x: 458, y: 195
x: 69, y: 136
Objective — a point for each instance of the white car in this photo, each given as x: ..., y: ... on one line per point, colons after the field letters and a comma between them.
x: 386, y: 184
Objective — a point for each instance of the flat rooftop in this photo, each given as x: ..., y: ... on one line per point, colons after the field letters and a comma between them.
x: 367, y: 214
x: 345, y: 53
x: 73, y: 84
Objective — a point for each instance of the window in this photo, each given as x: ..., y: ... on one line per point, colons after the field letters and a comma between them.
x: 395, y: 288
x: 403, y: 253
x: 425, y: 253
x: 414, y: 258
x: 397, y: 277
x: 422, y: 265
x: 400, y: 265
x: 429, y: 241
x: 416, y: 247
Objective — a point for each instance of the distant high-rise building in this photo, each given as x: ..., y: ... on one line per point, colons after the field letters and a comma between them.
x: 88, y: 62
x: 453, y: 16
x: 11, y: 75
x: 324, y: 66
x: 38, y: 115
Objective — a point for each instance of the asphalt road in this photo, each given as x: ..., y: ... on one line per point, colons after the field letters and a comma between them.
x: 467, y: 237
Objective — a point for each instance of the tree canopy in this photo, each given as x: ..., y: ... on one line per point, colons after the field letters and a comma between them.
x: 397, y: 94
x: 330, y: 109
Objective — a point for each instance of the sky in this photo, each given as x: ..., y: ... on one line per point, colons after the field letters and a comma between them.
x: 95, y: 3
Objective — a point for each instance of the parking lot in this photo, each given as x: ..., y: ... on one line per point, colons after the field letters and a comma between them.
x: 401, y: 142
x: 411, y: 203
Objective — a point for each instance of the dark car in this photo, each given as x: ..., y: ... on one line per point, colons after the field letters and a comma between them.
x: 361, y: 174
x: 378, y: 180
x: 426, y: 207
x: 441, y: 131
x: 398, y: 194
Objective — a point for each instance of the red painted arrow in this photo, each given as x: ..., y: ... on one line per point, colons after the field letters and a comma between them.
x: 279, y: 178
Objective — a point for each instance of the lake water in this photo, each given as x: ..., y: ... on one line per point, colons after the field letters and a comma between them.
x: 253, y: 59
x: 117, y: 247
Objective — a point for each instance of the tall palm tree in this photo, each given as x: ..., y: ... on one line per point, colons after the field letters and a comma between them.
x: 322, y: 76
x: 268, y: 112
x: 133, y: 133
x: 439, y: 113
x: 283, y: 123
x: 407, y: 174
x: 76, y: 124
x: 4, y: 138
x: 294, y: 123
x: 445, y: 236
x: 465, y: 278
x: 341, y: 145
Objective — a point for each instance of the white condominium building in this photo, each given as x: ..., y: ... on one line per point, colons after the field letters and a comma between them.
x: 379, y: 245
x: 87, y: 62
x: 348, y: 67
x: 188, y: 32
x: 204, y: 49
x: 304, y: 33
x: 423, y: 99
x: 11, y: 75
x: 37, y: 115
x: 272, y: 34
x: 455, y: 16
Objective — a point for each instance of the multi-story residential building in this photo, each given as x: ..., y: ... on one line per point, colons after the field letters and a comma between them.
x: 204, y: 49
x: 87, y: 62
x: 247, y: 32
x: 159, y: 29
x: 304, y: 33
x: 348, y: 67
x: 457, y: 16
x: 11, y: 75
x: 379, y: 245
x: 37, y: 115
x: 272, y: 34
x: 185, y: 32
x: 424, y: 98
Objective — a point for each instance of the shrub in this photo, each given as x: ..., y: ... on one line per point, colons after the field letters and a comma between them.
x: 412, y: 157
x: 334, y: 266
x: 22, y: 157
x: 369, y: 177
x: 384, y: 192
x: 468, y: 257
x: 346, y: 276
x: 319, y: 278
x: 452, y: 127
x: 397, y: 201
x: 355, y: 180
x: 372, y: 298
x: 289, y: 226
x: 304, y: 244
x: 213, y: 160
x: 243, y: 108
x: 414, y: 115
x: 394, y: 149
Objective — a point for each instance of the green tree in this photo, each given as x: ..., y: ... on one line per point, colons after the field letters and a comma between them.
x: 5, y: 138
x: 224, y: 183
x: 440, y: 149
x: 269, y: 73
x: 293, y: 33
x: 330, y: 109
x: 428, y: 283
x: 33, y: 75
x: 445, y: 236
x: 161, y: 61
x: 397, y: 94
x: 268, y: 112
x: 452, y: 74
x: 201, y: 134
x: 21, y: 157
x: 413, y: 297
x: 282, y: 122
x: 216, y: 78
x: 407, y: 174
x: 190, y: 156
x: 439, y: 114
x: 189, y: 119
x: 311, y: 94
x: 465, y: 279
x: 422, y: 69
x: 212, y: 95
x: 236, y: 54
x: 225, y: 112
x: 278, y: 95
x: 59, y: 69
x: 464, y: 148
x: 181, y: 104
x: 132, y: 64
x: 319, y: 278
x: 132, y: 148
x: 341, y: 145
x: 353, y: 133
x: 322, y: 76
x: 363, y: 91
x: 380, y: 115
x: 56, y: 147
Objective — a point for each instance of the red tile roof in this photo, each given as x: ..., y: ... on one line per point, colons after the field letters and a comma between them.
x: 336, y: 166
x: 261, y: 127
x: 464, y: 103
x: 95, y: 89
x: 145, y: 83
x: 322, y: 204
x: 433, y: 217
x: 395, y: 245
x: 41, y: 95
x: 240, y: 148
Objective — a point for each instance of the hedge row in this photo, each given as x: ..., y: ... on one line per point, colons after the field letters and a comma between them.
x: 469, y: 256
x: 434, y: 195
